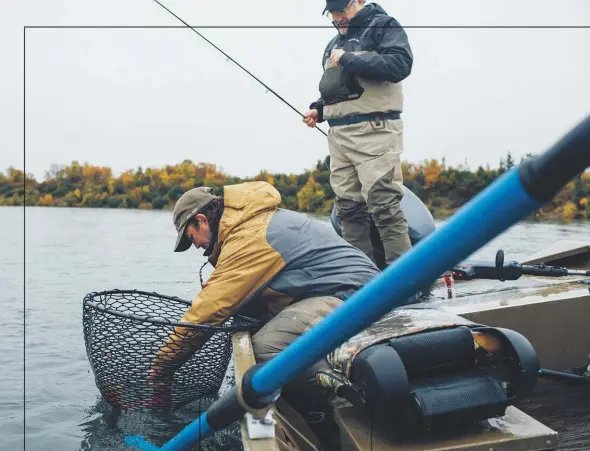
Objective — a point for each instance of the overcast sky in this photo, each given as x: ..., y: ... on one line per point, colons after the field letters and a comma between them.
x: 149, y: 97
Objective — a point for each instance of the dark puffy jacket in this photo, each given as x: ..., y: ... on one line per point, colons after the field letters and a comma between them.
x: 389, y: 56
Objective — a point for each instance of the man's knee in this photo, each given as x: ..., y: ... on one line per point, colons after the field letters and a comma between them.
x: 352, y: 211
x: 289, y: 324
x: 384, y: 200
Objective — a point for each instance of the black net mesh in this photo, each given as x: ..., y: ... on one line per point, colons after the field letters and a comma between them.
x: 124, y: 330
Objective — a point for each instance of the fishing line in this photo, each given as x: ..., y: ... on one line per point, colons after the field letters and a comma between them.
x: 268, y: 89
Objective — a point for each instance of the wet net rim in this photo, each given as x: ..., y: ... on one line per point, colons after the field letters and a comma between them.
x: 250, y: 325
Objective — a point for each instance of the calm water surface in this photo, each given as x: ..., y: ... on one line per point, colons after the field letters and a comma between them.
x: 71, y: 252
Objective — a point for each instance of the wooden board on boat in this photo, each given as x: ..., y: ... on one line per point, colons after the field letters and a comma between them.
x: 568, y: 253
x: 558, y: 329
x: 516, y: 431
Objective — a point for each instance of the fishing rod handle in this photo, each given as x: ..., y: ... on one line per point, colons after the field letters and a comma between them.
x: 542, y: 270
x: 544, y: 176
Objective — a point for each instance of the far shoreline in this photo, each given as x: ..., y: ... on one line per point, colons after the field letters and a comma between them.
x: 548, y: 219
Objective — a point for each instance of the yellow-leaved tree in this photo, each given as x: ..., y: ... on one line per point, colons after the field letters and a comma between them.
x: 311, y: 196
x: 432, y: 171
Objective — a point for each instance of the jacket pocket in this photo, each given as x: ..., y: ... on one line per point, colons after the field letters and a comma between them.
x: 337, y: 86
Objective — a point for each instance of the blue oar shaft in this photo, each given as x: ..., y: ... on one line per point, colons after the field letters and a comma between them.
x: 191, y: 434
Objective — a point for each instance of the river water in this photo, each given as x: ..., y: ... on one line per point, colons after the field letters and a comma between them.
x: 71, y: 252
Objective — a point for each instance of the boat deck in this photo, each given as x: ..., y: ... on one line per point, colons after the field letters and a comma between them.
x: 563, y: 408
x: 553, y: 314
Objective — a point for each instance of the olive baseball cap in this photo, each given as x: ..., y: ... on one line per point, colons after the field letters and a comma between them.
x: 187, y: 206
x: 335, y: 5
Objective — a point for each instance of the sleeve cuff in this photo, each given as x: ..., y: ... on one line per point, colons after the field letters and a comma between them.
x: 346, y: 59
x: 318, y: 105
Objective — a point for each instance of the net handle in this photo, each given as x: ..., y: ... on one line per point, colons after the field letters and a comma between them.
x: 253, y: 324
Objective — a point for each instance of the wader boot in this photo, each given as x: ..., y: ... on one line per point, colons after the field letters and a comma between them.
x: 356, y: 225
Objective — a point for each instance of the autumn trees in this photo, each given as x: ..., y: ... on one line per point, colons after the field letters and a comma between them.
x: 442, y: 188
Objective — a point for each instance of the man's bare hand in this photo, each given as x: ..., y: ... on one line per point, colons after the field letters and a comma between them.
x: 335, y: 56
x: 156, y: 377
x: 162, y: 389
x: 311, y: 118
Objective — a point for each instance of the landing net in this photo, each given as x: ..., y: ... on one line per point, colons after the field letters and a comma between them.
x: 124, y: 330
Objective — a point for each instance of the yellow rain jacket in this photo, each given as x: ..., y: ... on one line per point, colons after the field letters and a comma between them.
x: 269, y: 256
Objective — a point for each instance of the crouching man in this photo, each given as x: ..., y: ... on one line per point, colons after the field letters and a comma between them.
x: 279, y: 266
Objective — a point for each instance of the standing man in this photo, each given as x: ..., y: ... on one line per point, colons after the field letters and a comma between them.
x: 361, y: 98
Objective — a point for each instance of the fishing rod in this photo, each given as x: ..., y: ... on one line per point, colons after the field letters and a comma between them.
x: 268, y: 89
x: 512, y: 197
x: 510, y: 271
x: 562, y: 376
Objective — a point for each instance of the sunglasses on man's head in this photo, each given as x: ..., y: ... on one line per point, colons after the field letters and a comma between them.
x: 339, y: 12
